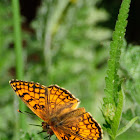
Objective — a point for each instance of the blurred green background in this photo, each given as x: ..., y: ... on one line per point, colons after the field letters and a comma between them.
x: 67, y: 43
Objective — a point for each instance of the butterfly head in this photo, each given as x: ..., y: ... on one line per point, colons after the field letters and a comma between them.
x: 47, y: 128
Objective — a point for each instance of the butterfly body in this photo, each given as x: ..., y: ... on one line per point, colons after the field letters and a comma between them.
x: 57, y: 108
x: 46, y: 128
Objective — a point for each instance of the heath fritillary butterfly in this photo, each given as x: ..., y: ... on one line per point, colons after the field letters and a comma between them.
x: 57, y: 108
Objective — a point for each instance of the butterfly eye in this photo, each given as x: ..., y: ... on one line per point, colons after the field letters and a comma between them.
x: 45, y: 126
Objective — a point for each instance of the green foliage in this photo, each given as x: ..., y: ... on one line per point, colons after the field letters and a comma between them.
x: 6, y: 54
x: 112, y: 79
x: 122, y: 130
x: 77, y: 61
x: 114, y: 100
x: 130, y: 67
x: 69, y: 69
x: 19, y: 61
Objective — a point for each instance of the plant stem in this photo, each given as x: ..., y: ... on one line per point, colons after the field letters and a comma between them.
x: 20, y: 124
x: 112, y: 138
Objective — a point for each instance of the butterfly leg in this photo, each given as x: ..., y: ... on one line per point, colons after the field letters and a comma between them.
x: 41, y: 132
x: 49, y: 137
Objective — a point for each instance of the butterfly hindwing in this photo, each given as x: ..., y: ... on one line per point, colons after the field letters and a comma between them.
x: 78, y: 125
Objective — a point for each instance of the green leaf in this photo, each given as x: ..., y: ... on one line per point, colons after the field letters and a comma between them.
x: 113, y: 91
x: 117, y: 117
x: 122, y: 130
x: 115, y: 51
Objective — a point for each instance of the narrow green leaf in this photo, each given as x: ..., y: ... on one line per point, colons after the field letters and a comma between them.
x: 117, y: 117
x: 20, y: 120
x: 130, y: 123
x: 115, y: 51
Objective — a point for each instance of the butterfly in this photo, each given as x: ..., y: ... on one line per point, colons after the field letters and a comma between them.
x: 57, y: 108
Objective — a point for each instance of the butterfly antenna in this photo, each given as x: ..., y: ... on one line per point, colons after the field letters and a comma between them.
x: 36, y: 125
x: 27, y: 113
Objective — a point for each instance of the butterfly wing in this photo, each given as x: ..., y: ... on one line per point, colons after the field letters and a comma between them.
x: 45, y: 102
x: 60, y: 101
x: 33, y: 95
x: 78, y: 126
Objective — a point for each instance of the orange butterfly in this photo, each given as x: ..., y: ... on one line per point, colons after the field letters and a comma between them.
x: 57, y: 108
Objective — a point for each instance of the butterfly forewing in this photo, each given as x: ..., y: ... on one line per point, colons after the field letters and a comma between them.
x: 45, y: 102
x: 33, y: 95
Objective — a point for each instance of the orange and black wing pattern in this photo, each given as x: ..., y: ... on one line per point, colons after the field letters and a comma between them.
x: 34, y: 95
x: 45, y: 102
x: 78, y: 125
x: 60, y: 101
x: 55, y: 103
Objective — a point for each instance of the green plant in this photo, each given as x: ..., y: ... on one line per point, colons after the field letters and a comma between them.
x: 20, y: 124
x: 114, y: 100
x: 78, y: 56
